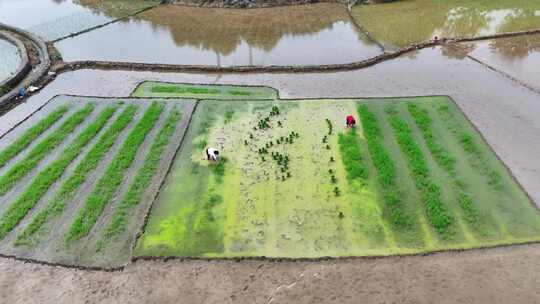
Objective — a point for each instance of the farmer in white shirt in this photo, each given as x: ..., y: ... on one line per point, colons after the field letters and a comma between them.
x: 212, y: 154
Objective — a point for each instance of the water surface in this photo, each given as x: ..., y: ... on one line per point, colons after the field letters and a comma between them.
x: 9, y: 59
x: 518, y: 56
x: 401, y: 23
x: 53, y: 19
x: 302, y: 35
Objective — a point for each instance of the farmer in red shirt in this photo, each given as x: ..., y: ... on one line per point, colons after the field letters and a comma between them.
x: 351, y: 122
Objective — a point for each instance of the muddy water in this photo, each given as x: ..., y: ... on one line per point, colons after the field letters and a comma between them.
x: 9, y: 59
x: 315, y: 34
x: 413, y: 21
x: 519, y: 57
x: 53, y: 19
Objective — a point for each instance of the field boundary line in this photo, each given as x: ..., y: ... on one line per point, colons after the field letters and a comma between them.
x: 75, y: 34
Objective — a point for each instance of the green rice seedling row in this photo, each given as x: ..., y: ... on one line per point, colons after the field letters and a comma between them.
x: 133, y: 196
x: 113, y: 176
x: 44, y: 179
x: 68, y: 189
x: 24, y: 166
x: 30, y: 135
x: 436, y: 209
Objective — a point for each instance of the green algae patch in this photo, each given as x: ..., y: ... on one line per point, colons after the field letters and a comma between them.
x: 295, y: 182
x: 415, y: 21
x: 163, y: 89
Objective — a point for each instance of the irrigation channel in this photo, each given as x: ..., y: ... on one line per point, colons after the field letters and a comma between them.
x: 489, y: 74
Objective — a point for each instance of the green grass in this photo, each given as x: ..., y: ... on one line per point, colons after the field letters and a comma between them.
x: 69, y: 187
x: 352, y: 156
x: 394, y: 207
x: 108, y: 184
x: 436, y: 210
x: 24, y: 166
x: 30, y: 135
x: 134, y: 194
x: 48, y: 176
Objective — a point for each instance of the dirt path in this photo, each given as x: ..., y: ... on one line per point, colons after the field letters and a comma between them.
x: 501, y: 275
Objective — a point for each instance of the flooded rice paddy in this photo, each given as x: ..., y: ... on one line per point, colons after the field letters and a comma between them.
x: 404, y: 22
x: 518, y: 57
x: 302, y: 35
x: 10, y: 59
x: 64, y: 17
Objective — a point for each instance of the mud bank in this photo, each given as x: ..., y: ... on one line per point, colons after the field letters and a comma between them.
x: 500, y: 275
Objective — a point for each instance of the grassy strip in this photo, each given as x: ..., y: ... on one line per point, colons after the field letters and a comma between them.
x: 44, y: 180
x: 183, y: 90
x: 438, y: 214
x: 471, y: 147
x: 30, y: 135
x: 52, y: 141
x: 142, y: 180
x: 386, y: 169
x: 351, y: 155
x: 69, y: 187
x: 113, y: 176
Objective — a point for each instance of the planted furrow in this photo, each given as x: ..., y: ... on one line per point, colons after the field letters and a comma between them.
x: 142, y: 180
x: 386, y: 170
x: 69, y: 188
x: 437, y: 212
x: 44, y: 179
x: 352, y: 156
x: 108, y: 184
x: 445, y: 160
x: 24, y: 166
x: 30, y: 135
x: 477, y: 158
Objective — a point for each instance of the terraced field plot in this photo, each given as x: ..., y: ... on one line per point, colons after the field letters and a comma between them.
x: 414, y: 176
x: 77, y: 178
x: 420, y: 20
x: 163, y: 89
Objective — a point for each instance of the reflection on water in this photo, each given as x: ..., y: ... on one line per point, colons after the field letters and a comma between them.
x: 314, y: 34
x: 404, y: 22
x: 9, y: 59
x: 53, y: 19
x: 517, y: 56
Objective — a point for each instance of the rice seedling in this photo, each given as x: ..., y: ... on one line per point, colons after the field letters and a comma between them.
x: 30, y: 135
x: 44, y: 179
x: 24, y: 166
x: 107, y: 185
x: 67, y: 190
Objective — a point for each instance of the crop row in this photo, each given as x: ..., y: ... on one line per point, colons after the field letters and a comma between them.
x: 30, y: 135
x: 386, y: 171
x: 470, y: 146
x: 68, y: 189
x: 183, y: 90
x: 142, y: 180
x: 436, y: 211
x: 24, y: 166
x: 108, y: 184
x: 443, y: 157
x: 352, y: 156
x: 46, y: 178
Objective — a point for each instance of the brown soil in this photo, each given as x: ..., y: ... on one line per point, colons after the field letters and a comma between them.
x: 502, y: 275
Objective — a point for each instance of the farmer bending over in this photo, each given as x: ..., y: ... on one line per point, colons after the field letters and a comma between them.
x: 351, y: 122
x: 212, y: 154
